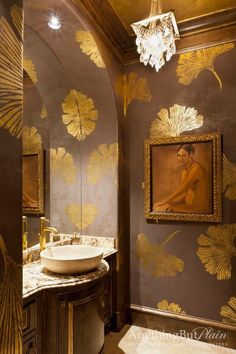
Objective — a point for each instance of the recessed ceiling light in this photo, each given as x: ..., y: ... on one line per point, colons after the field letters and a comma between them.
x: 54, y: 23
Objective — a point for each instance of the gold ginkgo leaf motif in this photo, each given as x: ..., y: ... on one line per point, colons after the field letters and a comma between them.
x: 229, y: 179
x: 29, y: 67
x: 155, y: 259
x: 11, y: 304
x: 11, y: 83
x: 229, y: 312
x: 62, y: 164
x: 81, y: 215
x: 79, y: 114
x: 171, y: 307
x: 17, y: 18
x: 44, y: 112
x: 175, y: 121
x: 89, y: 47
x: 31, y: 139
x: 131, y: 87
x: 191, y: 64
x: 217, y: 250
x: 102, y: 161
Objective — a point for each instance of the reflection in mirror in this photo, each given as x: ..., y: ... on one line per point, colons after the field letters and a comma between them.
x: 33, y: 183
x: 35, y: 160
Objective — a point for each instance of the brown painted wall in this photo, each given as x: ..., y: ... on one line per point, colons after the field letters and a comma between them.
x: 10, y: 177
x: 192, y: 287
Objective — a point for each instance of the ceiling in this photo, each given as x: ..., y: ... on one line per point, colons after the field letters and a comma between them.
x: 132, y: 11
x: 200, y: 22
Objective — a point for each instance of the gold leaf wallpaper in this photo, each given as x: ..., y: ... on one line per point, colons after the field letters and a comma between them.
x: 79, y: 114
x: 229, y: 179
x: 155, y: 259
x: 131, y: 87
x: 62, y: 164
x: 44, y: 112
x: 229, y: 312
x: 175, y: 121
x: 81, y: 215
x: 31, y: 140
x: 11, y: 93
x: 29, y: 67
x: 17, y: 18
x: 216, y: 250
x: 191, y: 64
x: 89, y: 47
x: 102, y: 161
x: 171, y: 307
x: 11, y: 308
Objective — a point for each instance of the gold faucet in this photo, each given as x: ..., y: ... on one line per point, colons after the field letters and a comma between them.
x: 43, y: 231
x: 24, y: 232
x: 53, y: 233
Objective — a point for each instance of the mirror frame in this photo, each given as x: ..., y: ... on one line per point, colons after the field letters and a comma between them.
x: 38, y: 181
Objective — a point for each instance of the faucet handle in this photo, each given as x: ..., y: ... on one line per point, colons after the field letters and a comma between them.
x: 24, y: 232
x: 44, y: 219
x: 24, y: 224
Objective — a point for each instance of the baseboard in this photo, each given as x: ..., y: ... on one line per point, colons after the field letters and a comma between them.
x: 208, y: 331
x: 120, y: 319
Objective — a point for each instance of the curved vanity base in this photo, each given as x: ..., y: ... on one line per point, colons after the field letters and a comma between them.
x: 66, y: 319
x: 81, y: 320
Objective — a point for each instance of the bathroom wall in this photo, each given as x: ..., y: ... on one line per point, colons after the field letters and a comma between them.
x: 10, y: 175
x: 174, y: 275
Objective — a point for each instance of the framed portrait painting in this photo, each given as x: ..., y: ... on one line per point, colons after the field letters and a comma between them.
x: 33, y: 183
x: 183, y: 178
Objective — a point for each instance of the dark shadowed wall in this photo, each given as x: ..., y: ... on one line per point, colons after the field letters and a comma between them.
x: 10, y: 175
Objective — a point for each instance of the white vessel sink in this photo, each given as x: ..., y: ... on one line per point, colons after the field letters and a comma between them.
x: 71, y: 259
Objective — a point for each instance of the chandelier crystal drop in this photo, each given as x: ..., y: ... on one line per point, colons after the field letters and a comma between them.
x: 156, y: 39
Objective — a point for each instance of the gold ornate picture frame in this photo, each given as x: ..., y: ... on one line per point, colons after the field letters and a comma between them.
x: 33, y: 182
x: 183, y: 178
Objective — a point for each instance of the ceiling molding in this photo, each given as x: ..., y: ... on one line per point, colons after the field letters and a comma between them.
x: 106, y: 24
x: 195, y: 33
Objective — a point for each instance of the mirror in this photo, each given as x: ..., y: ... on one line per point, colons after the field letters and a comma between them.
x: 70, y: 114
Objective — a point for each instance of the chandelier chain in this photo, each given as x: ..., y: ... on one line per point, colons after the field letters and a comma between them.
x: 155, y: 8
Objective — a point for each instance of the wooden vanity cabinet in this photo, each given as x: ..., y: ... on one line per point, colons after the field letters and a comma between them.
x: 81, y: 321
x: 69, y: 320
x: 30, y: 327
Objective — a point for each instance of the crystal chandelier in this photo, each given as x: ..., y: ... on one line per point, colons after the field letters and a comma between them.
x: 156, y: 37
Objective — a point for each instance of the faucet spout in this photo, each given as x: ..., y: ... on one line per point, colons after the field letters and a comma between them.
x: 43, y: 230
x: 51, y: 229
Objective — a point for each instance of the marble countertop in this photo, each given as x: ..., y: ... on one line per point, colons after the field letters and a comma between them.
x: 106, y: 244
x: 37, y: 278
